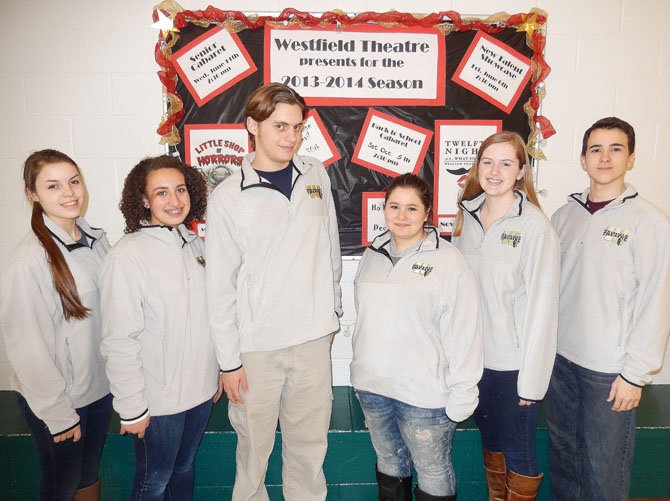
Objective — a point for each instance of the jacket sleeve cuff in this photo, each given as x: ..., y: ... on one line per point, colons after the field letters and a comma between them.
x: 630, y: 382
x: 134, y: 420
x: 66, y: 429
x: 231, y: 370
x: 452, y: 420
x: 530, y: 399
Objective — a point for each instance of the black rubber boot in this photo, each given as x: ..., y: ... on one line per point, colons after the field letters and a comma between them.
x: 422, y: 496
x: 394, y: 488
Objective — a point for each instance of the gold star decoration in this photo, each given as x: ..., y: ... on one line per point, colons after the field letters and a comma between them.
x: 529, y: 24
x: 164, y: 23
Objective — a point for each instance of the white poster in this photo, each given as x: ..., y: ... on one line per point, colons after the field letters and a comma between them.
x: 361, y: 65
x: 316, y: 141
x: 494, y: 71
x: 216, y: 149
x: 456, y: 145
x: 373, y: 216
x: 390, y: 145
x: 212, y: 63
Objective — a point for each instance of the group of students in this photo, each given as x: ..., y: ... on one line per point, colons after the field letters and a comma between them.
x: 162, y: 324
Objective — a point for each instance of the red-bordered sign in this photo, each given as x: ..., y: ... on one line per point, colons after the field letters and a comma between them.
x: 331, y: 67
x: 368, y: 233
x: 455, y: 154
x: 212, y: 63
x: 317, y: 141
x: 494, y: 71
x: 390, y: 145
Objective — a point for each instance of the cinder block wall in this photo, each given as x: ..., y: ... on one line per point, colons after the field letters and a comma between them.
x: 79, y: 75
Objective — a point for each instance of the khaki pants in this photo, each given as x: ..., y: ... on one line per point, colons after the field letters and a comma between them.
x: 293, y: 385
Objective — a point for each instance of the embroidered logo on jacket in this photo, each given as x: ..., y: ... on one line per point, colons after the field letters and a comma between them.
x: 422, y: 269
x: 512, y: 238
x: 200, y: 260
x: 314, y: 191
x: 615, y: 235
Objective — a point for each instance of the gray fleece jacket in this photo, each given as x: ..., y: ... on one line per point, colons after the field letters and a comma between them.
x: 156, y: 338
x: 418, y: 335
x: 56, y: 363
x: 615, y: 285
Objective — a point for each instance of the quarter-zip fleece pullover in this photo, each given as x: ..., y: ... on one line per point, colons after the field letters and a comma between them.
x: 418, y: 332
x: 56, y: 363
x: 517, y: 266
x: 156, y: 337
x: 273, y: 276
x: 615, y: 285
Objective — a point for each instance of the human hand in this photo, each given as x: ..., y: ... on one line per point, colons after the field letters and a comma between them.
x: 74, y: 434
x: 523, y: 402
x: 219, y: 390
x: 136, y: 428
x: 624, y: 395
x: 231, y: 385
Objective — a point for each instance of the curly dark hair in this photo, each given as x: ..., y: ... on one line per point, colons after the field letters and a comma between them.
x: 132, y: 198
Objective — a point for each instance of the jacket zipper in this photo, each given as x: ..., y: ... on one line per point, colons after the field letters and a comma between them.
x: 621, y: 320
x: 70, y: 367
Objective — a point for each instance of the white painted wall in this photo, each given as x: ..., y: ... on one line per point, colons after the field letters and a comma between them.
x: 79, y: 76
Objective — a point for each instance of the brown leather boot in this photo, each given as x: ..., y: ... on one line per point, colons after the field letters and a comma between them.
x: 494, y: 464
x: 90, y: 493
x: 522, y: 488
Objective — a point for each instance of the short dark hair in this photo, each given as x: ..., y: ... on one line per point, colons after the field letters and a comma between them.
x: 414, y: 182
x: 609, y: 123
x: 132, y: 198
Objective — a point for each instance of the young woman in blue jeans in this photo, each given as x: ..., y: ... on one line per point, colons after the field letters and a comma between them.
x: 417, y: 346
x: 50, y: 316
x: 514, y: 252
x: 159, y: 356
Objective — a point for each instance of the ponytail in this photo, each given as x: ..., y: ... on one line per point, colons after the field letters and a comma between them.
x: 60, y: 271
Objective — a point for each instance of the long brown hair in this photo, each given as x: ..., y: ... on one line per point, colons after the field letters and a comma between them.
x: 60, y: 271
x: 472, y: 187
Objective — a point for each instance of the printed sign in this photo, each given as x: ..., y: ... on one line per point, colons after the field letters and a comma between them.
x: 373, y: 216
x: 360, y: 65
x: 390, y: 145
x: 456, y: 145
x: 212, y: 63
x: 216, y: 149
x: 316, y: 142
x: 493, y: 71
x: 197, y: 226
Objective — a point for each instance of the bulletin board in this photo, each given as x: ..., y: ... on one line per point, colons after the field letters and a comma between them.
x: 388, y: 93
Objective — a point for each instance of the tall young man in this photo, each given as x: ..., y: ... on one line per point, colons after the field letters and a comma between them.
x: 613, y: 320
x: 273, y: 272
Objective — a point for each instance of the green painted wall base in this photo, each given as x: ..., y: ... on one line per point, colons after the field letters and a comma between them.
x: 349, y: 464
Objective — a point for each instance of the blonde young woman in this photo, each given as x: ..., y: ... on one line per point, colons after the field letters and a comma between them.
x: 50, y: 315
x: 514, y: 252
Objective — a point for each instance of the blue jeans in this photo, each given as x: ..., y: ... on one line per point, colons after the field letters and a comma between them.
x: 591, y: 446
x: 68, y: 466
x: 165, y: 457
x: 505, y: 425
x: 403, y: 435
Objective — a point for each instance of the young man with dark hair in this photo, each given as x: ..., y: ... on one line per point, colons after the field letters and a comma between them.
x: 613, y: 320
x: 273, y: 272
